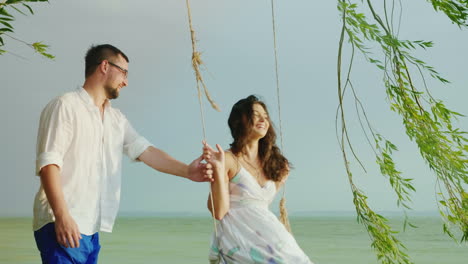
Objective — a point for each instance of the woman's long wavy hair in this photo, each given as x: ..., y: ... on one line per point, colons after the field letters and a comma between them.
x: 275, y: 165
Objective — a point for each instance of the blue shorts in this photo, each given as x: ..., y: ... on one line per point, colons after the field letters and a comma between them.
x: 52, y: 252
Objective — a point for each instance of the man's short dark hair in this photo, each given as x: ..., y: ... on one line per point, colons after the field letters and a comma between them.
x: 96, y: 54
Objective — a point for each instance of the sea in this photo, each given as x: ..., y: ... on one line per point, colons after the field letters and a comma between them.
x: 185, y: 240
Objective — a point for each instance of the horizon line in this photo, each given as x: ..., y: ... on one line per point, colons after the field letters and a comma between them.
x: 321, y: 213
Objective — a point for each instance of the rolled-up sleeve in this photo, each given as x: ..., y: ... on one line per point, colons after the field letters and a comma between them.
x: 134, y: 144
x: 54, y: 135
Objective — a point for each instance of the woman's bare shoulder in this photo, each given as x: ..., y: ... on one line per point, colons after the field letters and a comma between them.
x: 231, y: 163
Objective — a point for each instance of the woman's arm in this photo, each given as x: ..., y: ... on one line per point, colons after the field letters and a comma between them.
x: 220, y: 186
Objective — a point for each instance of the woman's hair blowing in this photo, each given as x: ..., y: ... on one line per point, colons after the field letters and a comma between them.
x: 275, y: 165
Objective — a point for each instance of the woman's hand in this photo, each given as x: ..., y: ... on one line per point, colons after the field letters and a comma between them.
x: 215, y: 158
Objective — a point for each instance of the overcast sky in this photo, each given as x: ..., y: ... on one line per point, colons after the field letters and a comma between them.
x: 235, y: 38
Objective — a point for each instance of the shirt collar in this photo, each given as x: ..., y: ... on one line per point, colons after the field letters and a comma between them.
x: 88, y: 100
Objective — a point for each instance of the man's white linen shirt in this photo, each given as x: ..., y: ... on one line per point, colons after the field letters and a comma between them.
x: 88, y: 150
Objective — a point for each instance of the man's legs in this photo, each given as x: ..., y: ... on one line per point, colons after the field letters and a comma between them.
x: 52, y: 252
x: 93, y: 255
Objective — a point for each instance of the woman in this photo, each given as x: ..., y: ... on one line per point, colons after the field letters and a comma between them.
x: 246, y: 179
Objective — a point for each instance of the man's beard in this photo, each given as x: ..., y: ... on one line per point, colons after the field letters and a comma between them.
x: 111, y: 92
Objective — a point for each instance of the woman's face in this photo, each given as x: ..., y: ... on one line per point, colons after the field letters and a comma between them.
x: 260, y: 121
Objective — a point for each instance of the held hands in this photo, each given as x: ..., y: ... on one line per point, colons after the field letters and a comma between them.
x: 199, y: 171
x: 203, y: 172
x: 67, y: 231
x: 214, y: 158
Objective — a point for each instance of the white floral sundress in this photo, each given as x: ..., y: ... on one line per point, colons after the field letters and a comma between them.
x: 250, y: 232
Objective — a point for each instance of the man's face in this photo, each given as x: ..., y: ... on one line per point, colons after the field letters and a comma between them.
x: 117, y: 78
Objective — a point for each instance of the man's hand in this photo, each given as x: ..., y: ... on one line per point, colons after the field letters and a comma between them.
x: 67, y: 231
x: 199, y: 171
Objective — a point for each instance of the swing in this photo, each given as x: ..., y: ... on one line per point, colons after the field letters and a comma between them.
x: 196, y: 62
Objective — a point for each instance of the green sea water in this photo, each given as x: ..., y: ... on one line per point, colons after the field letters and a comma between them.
x: 184, y: 240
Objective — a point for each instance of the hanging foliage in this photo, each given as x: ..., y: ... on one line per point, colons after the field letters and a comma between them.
x: 6, y: 27
x: 427, y: 121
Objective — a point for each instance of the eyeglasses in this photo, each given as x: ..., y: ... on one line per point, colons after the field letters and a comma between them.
x: 124, y: 71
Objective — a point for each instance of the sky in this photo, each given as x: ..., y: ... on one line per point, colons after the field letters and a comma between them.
x: 235, y: 38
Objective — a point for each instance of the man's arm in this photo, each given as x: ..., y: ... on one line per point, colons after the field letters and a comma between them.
x: 66, y: 229
x: 163, y: 162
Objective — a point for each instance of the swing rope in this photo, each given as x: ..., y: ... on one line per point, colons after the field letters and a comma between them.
x: 196, y: 62
x: 283, y: 211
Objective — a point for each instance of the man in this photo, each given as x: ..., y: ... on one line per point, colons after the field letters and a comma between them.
x: 81, y: 139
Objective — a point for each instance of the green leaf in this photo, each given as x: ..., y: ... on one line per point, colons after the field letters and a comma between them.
x: 6, y: 24
x: 4, y: 12
x: 41, y: 49
x: 10, y: 2
x: 19, y: 11
x: 4, y: 18
x: 3, y: 30
x: 30, y: 9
